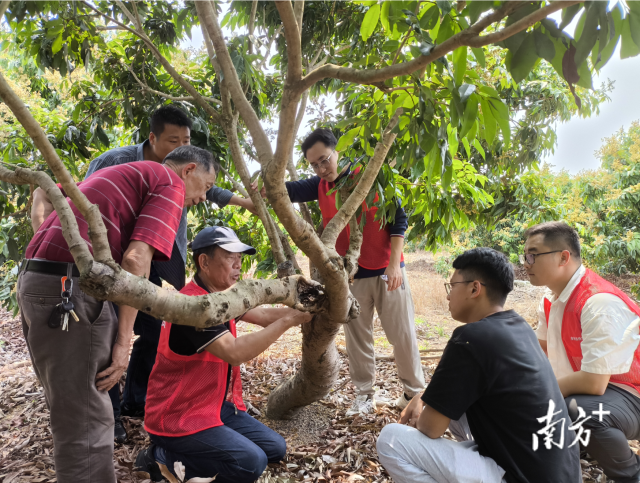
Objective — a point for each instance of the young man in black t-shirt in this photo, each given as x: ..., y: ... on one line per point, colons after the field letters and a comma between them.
x: 494, y: 375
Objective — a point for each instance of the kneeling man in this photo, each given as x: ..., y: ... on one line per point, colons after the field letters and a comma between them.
x: 494, y: 376
x: 589, y: 329
x: 194, y: 411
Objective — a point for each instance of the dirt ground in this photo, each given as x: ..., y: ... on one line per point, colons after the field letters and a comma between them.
x: 323, y: 444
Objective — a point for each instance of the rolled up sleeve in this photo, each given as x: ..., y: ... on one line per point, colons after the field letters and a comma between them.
x: 609, y: 335
x: 219, y: 196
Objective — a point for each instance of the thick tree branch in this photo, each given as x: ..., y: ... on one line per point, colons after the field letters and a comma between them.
x: 361, y: 190
x: 3, y: 7
x: 292, y: 37
x: 70, y: 231
x: 355, y: 244
x: 163, y: 61
x: 90, y: 212
x: 468, y: 37
x: 208, y: 18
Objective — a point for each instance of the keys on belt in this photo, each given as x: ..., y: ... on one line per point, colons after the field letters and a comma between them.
x: 60, y: 314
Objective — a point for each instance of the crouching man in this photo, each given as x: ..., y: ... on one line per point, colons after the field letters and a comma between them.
x: 194, y: 411
x: 589, y: 329
x: 492, y: 387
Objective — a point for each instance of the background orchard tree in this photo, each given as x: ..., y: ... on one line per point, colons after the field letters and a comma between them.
x: 443, y: 104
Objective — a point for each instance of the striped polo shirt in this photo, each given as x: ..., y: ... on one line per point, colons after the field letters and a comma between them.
x: 138, y: 201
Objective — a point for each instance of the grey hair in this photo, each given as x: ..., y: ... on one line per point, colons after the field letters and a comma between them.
x: 192, y: 154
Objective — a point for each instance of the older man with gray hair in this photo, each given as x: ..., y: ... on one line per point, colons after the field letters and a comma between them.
x: 194, y: 412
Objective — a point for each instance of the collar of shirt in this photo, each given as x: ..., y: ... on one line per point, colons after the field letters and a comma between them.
x: 564, y: 296
x: 140, y: 150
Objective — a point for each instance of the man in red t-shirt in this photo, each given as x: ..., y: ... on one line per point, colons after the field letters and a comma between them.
x: 78, y: 362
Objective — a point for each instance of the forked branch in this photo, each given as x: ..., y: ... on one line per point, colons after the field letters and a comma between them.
x: 469, y: 37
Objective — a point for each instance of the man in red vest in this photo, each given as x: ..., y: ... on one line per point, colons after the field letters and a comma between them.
x: 589, y: 330
x: 380, y: 282
x: 194, y: 411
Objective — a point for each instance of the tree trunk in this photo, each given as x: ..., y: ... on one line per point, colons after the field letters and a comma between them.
x: 318, y: 372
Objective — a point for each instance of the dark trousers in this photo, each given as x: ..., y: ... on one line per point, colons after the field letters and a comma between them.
x: 608, y: 443
x: 237, y: 452
x: 143, y: 357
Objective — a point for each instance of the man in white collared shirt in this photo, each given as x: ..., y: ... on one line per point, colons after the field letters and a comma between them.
x: 590, y: 332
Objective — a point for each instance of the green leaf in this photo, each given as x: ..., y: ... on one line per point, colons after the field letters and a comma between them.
x: 452, y: 140
x: 501, y: 115
x: 477, y: 8
x: 544, y: 46
x: 102, y: 136
x: 429, y: 18
x: 478, y: 52
x: 57, y: 44
x: 606, y: 53
x: 470, y: 115
x: 384, y: 17
x: 568, y: 14
x: 489, y: 122
x: 459, y: 64
x: 629, y: 48
x: 478, y: 146
x: 634, y: 25
x: 446, y: 29
x: 347, y: 140
x: 465, y: 90
x: 524, y: 59
x: 370, y: 22
x: 589, y: 34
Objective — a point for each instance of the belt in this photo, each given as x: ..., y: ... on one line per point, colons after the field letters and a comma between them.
x: 51, y: 268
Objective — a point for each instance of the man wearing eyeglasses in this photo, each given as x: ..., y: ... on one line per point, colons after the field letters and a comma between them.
x: 380, y: 283
x: 589, y: 330
x: 490, y: 387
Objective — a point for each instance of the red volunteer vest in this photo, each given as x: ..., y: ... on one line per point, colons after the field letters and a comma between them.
x: 376, y: 239
x: 185, y: 393
x: 590, y: 285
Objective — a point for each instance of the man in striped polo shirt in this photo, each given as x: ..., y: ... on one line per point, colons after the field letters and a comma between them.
x: 141, y: 204
x: 170, y: 128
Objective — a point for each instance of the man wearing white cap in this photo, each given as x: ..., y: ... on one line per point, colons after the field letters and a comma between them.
x: 194, y: 411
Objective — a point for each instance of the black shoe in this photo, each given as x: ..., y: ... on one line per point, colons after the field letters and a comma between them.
x: 136, y: 412
x: 119, y: 433
x: 145, y: 461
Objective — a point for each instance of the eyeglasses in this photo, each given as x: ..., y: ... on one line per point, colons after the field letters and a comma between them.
x: 448, y: 285
x: 530, y: 258
x: 323, y: 163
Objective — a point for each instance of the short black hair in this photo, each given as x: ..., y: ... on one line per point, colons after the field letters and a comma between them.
x: 168, y: 115
x: 192, y: 154
x: 557, y: 235
x: 490, y: 267
x: 208, y: 251
x: 325, y: 136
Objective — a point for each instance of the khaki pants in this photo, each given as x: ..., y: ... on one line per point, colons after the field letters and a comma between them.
x: 395, y: 310
x: 66, y: 364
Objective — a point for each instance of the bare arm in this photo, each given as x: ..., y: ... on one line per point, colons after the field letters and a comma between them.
x: 235, y: 351
x: 584, y: 383
x: 543, y: 344
x: 137, y: 261
x: 393, y: 271
x: 41, y: 208
x: 244, y: 203
x: 265, y: 316
x: 432, y: 423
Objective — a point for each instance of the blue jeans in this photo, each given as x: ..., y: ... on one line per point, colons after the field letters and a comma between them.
x: 237, y: 452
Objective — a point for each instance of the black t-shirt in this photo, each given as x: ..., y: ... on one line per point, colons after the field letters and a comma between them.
x: 185, y: 340
x: 495, y: 371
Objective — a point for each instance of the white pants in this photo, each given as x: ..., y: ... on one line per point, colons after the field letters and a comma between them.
x: 412, y: 457
x: 395, y: 310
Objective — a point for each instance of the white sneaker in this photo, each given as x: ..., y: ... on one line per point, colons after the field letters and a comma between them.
x: 402, y: 402
x: 363, y: 404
